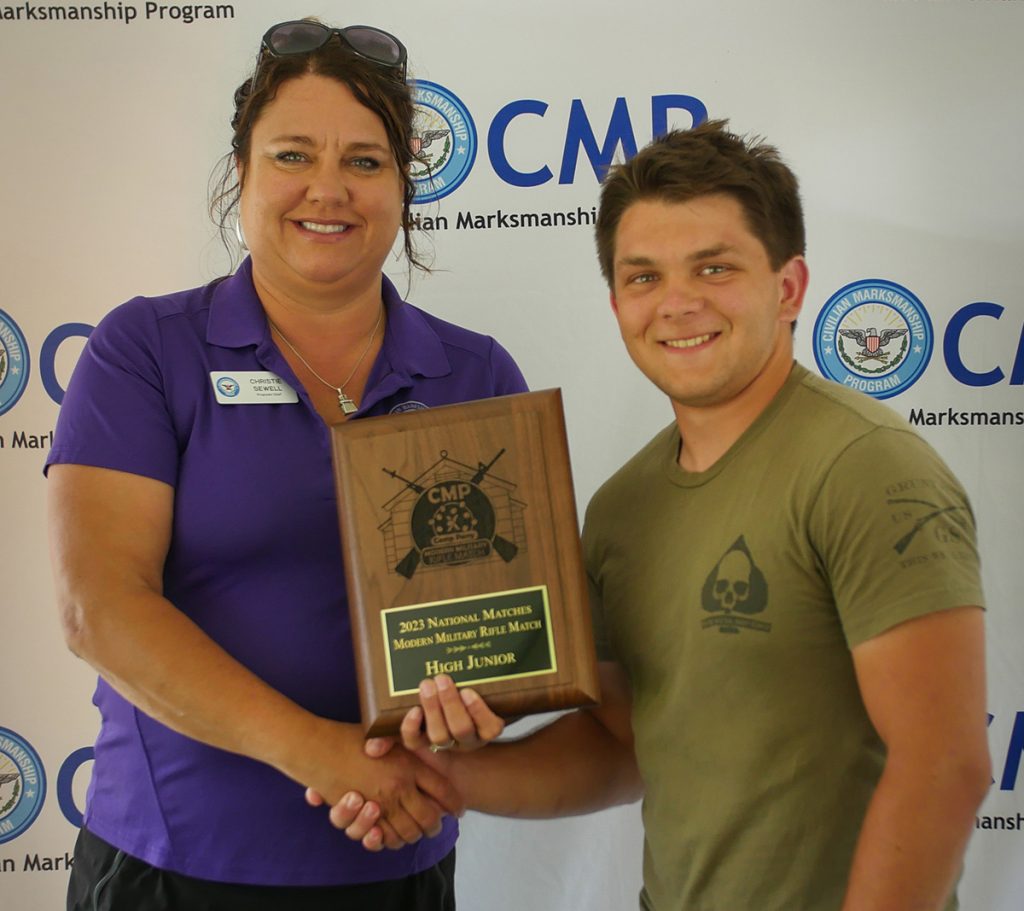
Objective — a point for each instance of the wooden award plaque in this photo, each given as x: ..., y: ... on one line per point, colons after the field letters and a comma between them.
x: 462, y: 556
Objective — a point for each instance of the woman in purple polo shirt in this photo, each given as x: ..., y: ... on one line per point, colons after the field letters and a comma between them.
x: 194, y: 526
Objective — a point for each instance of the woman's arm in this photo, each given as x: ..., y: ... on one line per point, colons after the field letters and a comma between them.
x: 110, y: 532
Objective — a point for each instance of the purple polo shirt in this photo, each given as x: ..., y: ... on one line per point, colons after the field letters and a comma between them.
x: 255, y: 561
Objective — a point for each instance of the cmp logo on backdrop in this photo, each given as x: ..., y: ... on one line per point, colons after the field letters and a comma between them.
x: 874, y: 336
x: 22, y: 785
x: 445, y: 138
x: 14, y: 363
x: 443, y: 142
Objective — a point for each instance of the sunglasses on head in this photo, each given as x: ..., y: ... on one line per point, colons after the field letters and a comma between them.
x: 303, y: 37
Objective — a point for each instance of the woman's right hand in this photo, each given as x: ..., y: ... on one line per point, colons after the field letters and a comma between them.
x: 447, y: 719
x: 405, y: 796
x: 360, y: 820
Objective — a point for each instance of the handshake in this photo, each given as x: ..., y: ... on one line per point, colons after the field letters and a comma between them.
x: 398, y: 792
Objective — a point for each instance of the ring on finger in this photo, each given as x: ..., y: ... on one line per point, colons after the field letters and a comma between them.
x: 441, y: 747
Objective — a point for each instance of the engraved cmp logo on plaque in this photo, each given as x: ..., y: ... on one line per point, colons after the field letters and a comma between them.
x: 458, y: 515
x: 451, y: 514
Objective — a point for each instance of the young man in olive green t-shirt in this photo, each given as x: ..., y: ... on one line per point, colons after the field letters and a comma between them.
x: 786, y: 589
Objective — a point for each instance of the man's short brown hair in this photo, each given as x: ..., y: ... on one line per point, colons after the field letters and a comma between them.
x: 685, y: 164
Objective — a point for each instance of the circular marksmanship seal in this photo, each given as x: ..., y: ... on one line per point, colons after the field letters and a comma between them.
x: 443, y: 143
x: 227, y: 386
x: 22, y: 785
x: 14, y: 363
x: 874, y: 336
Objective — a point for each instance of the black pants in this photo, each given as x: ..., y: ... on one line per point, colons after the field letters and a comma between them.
x: 106, y: 879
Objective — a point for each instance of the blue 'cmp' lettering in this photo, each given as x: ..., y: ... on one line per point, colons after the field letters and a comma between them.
x: 496, y: 144
x: 1014, y: 751
x: 662, y: 104
x: 48, y: 356
x: 951, y: 348
x: 579, y: 135
x: 65, y: 780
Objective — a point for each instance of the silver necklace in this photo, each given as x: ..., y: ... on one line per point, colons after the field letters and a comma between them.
x: 344, y: 402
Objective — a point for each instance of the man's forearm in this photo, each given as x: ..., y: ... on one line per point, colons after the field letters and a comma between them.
x: 573, y: 766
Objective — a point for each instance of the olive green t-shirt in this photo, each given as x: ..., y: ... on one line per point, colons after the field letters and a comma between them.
x: 733, y: 597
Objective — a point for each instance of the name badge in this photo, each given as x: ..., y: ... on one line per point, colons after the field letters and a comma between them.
x: 251, y: 387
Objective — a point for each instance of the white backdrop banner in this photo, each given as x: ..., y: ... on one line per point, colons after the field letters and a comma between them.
x: 901, y: 117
